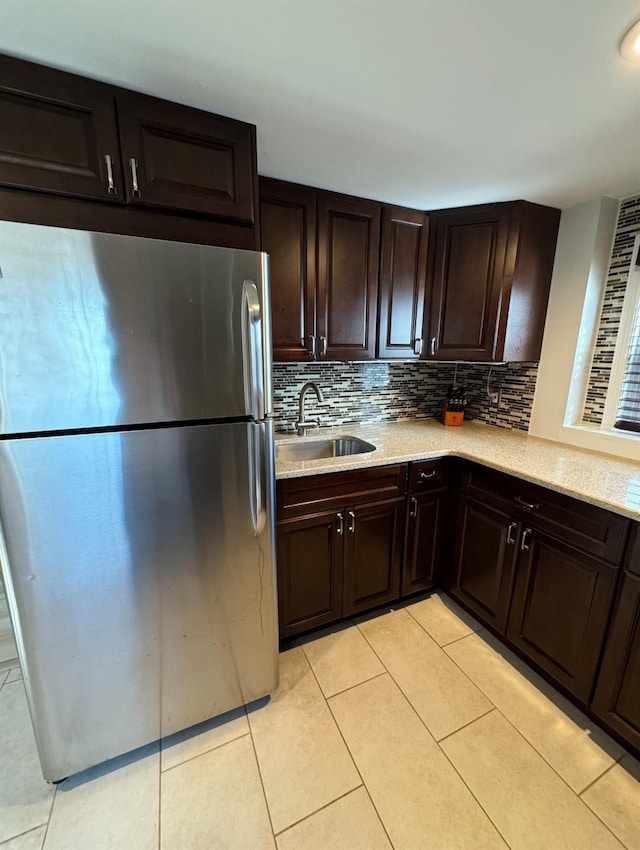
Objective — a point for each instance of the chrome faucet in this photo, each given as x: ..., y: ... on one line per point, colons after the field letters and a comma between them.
x: 301, y: 426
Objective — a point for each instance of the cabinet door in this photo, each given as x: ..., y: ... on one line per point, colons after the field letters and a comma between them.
x: 561, y: 601
x: 310, y: 555
x: 484, y: 559
x: 403, y: 269
x: 617, y: 696
x: 56, y: 132
x: 468, y: 252
x: 185, y: 159
x: 426, y: 529
x: 373, y: 555
x: 348, y: 243
x: 288, y: 235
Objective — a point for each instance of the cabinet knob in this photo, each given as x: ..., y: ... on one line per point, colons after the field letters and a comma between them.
x: 312, y: 344
x: 340, y: 519
x: 433, y: 346
x: 323, y: 346
x: 352, y: 522
x: 510, y: 531
x: 524, y: 543
x: 417, y: 346
x: 413, y: 503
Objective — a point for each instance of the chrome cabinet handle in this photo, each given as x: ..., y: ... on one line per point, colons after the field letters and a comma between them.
x: 417, y: 346
x: 340, y: 519
x: 433, y: 346
x: 528, y: 506
x: 323, y: 344
x: 425, y: 476
x: 524, y: 546
x: 312, y: 342
x: 352, y: 522
x: 133, y: 162
x: 111, y: 186
x: 512, y: 527
x: 413, y: 504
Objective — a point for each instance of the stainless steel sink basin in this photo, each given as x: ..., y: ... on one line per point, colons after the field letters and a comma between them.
x: 317, y: 449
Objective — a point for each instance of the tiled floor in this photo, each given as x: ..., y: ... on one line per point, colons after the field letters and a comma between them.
x: 412, y: 729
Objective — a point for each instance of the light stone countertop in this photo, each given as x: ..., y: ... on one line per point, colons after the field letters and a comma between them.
x: 601, y: 479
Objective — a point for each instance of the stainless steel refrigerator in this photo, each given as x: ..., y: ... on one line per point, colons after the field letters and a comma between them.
x: 136, y: 485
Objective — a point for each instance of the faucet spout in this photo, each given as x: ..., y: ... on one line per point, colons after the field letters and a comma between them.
x: 301, y: 426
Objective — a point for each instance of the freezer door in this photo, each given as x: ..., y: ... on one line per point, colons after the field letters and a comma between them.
x: 99, y: 330
x: 140, y: 576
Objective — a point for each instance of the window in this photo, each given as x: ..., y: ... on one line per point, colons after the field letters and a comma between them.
x: 622, y: 408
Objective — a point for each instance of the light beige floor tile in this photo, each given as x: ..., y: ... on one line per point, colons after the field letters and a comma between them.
x: 200, y: 739
x: 573, y: 745
x: 350, y: 823
x: 615, y: 798
x: 442, y: 695
x: 8, y: 651
x: 4, y: 675
x: 114, y: 805
x: 341, y: 660
x: 421, y: 800
x: 529, y: 803
x: 25, y: 798
x: 31, y: 840
x: 216, y: 801
x: 443, y: 619
x: 15, y: 675
x: 302, y: 757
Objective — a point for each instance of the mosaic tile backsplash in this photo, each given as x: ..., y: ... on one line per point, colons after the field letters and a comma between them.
x: 627, y: 228
x: 381, y: 391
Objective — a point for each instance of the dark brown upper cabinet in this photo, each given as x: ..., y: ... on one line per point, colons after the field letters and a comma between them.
x: 64, y: 134
x: 403, y: 269
x: 489, y: 277
x: 323, y: 250
x: 288, y: 235
x: 348, y: 246
x: 186, y: 159
x: 58, y: 133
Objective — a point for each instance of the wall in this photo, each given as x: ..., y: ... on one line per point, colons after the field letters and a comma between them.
x: 627, y: 227
x: 582, y: 261
x: 383, y: 391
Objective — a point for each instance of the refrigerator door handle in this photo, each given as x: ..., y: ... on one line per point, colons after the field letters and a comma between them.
x: 252, y: 350
x: 257, y: 477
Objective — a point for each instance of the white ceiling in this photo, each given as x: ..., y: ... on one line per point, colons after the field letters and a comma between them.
x: 428, y: 103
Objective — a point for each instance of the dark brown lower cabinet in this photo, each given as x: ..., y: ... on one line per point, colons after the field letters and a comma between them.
x: 484, y: 559
x: 561, y: 601
x: 372, y: 555
x: 425, y: 537
x: 617, y: 695
x: 310, y: 556
x: 336, y: 563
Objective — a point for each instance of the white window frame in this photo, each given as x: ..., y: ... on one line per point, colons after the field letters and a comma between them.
x: 623, y: 339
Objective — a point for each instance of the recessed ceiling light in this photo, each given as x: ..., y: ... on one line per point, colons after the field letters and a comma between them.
x: 630, y: 44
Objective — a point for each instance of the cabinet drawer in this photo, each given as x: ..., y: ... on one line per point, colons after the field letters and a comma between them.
x: 588, y: 528
x: 331, y: 491
x: 427, y: 475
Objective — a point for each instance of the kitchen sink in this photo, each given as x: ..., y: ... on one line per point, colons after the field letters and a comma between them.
x: 317, y: 449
